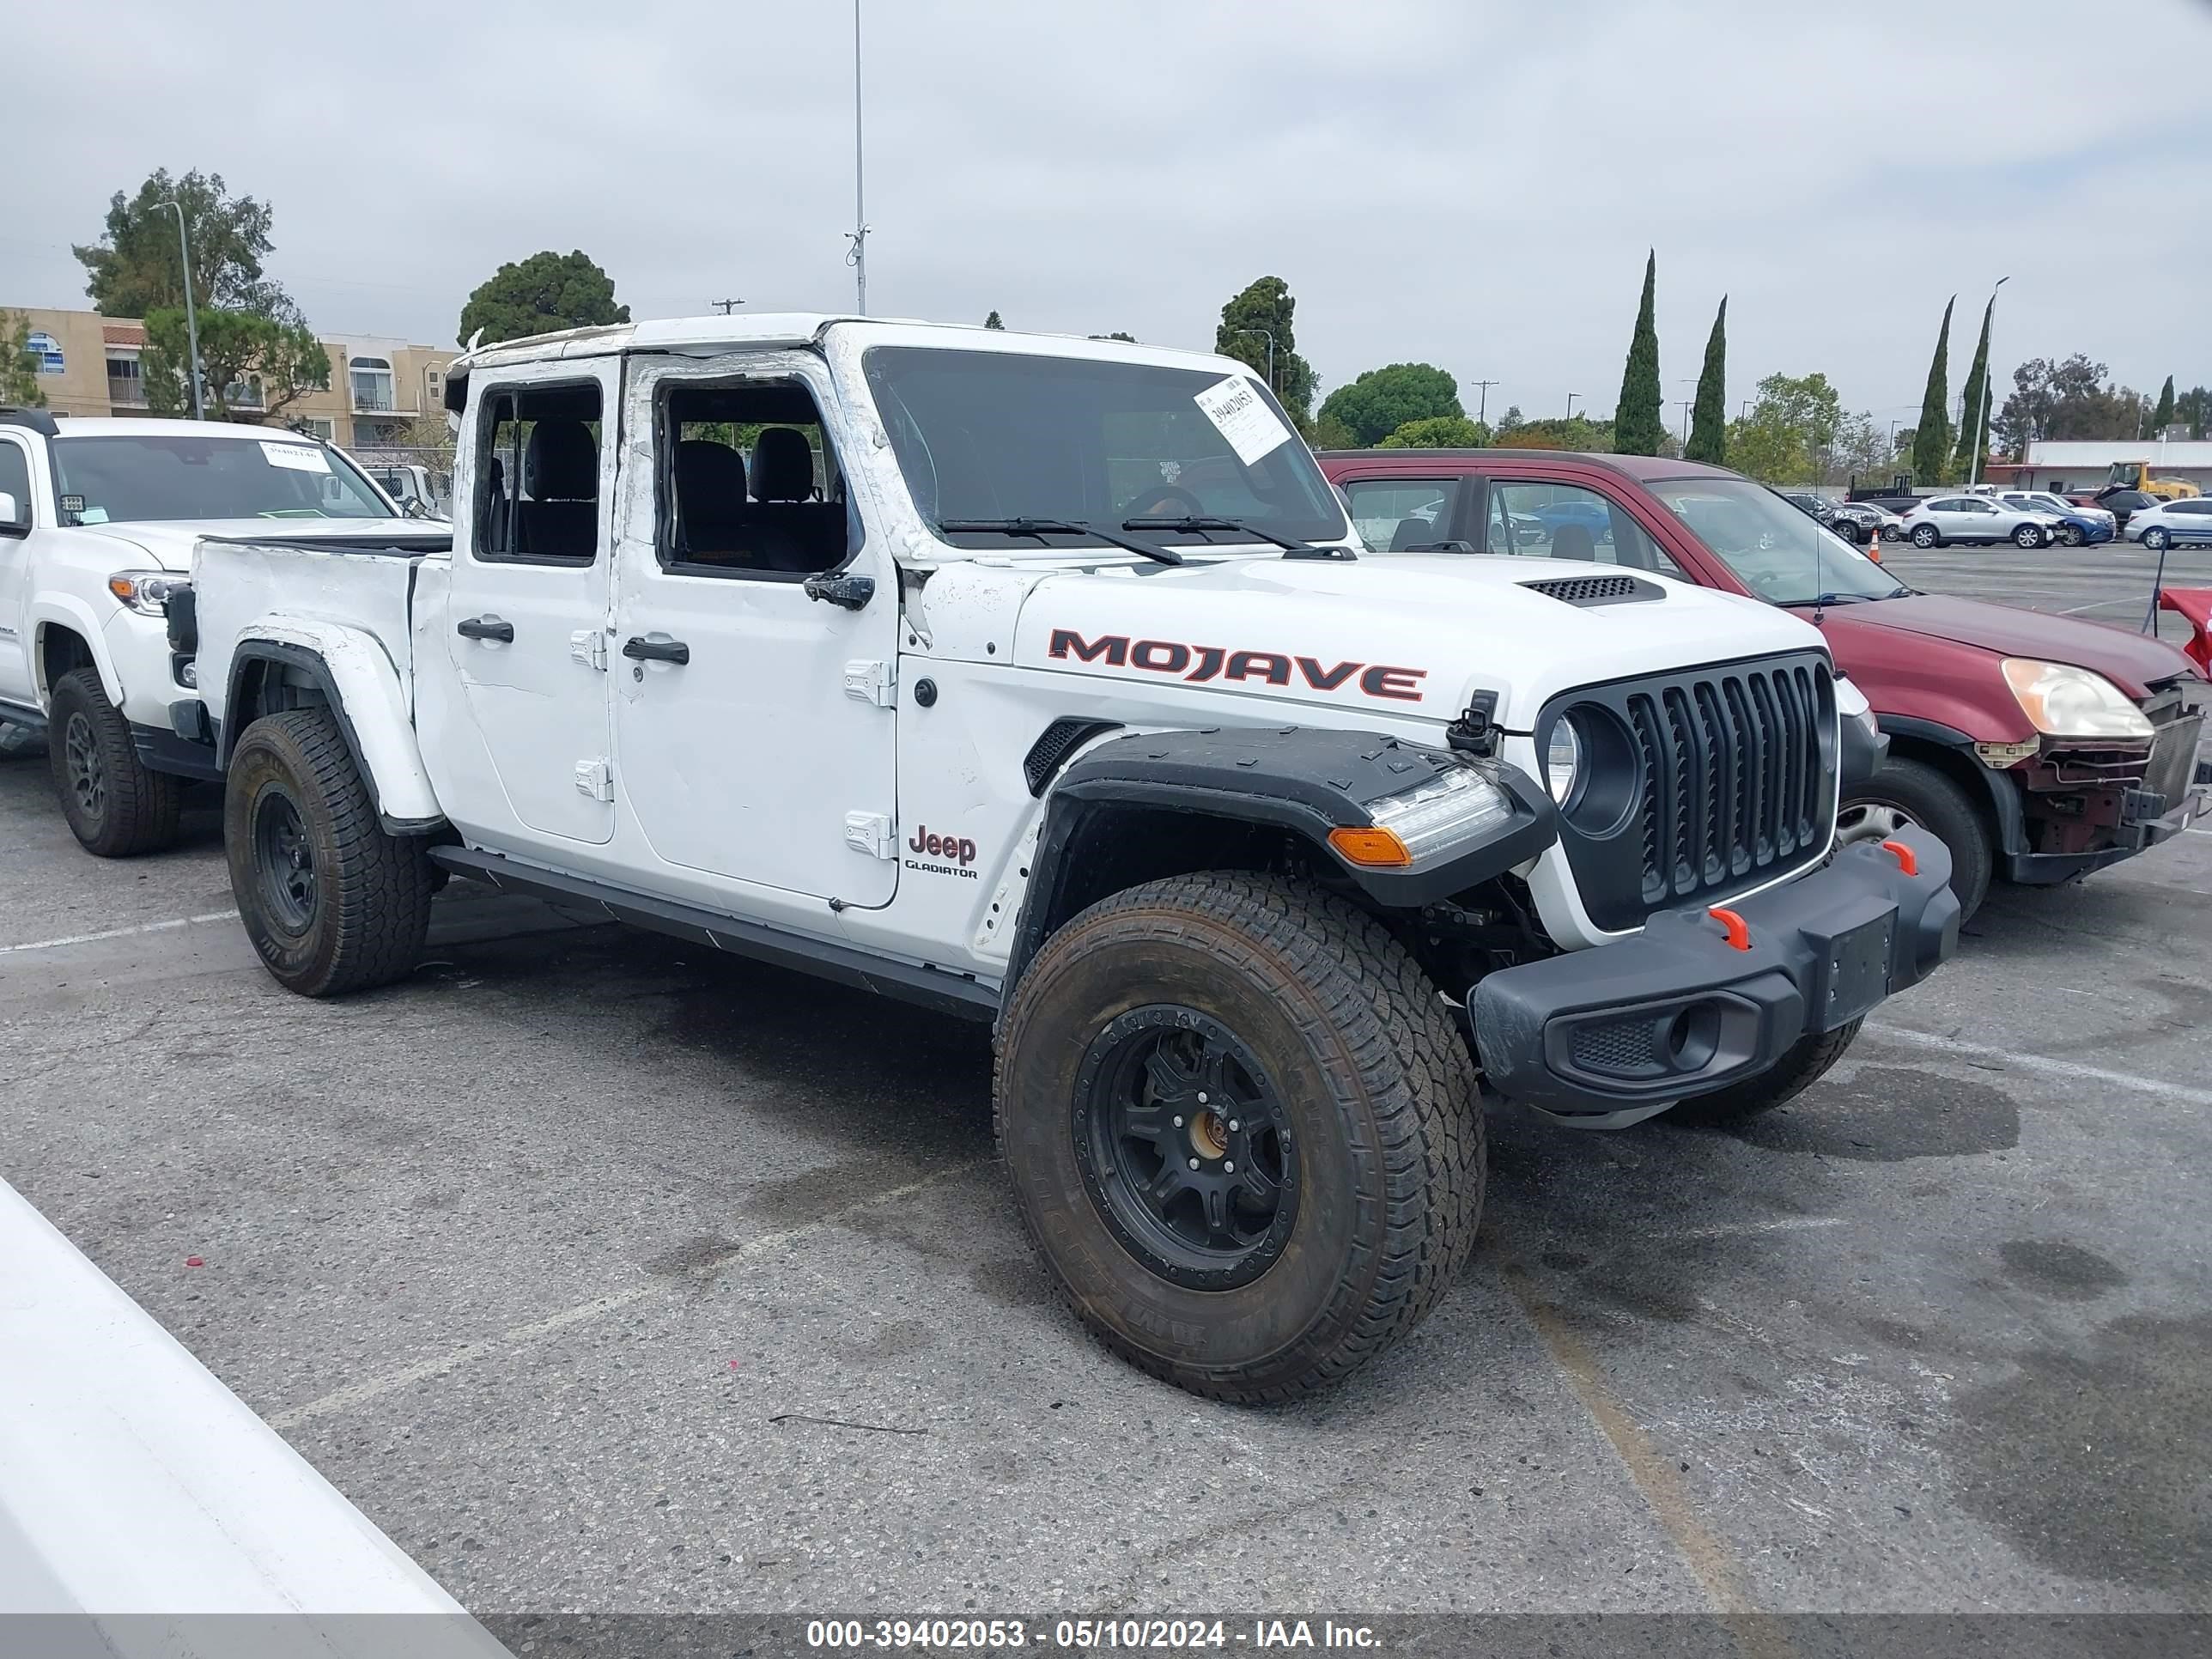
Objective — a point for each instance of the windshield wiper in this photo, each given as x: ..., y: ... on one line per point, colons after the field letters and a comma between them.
x: 1200, y: 522
x: 1041, y: 528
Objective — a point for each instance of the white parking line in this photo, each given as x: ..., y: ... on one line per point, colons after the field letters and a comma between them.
x: 372, y: 1388
x: 2071, y: 1070
x: 121, y: 932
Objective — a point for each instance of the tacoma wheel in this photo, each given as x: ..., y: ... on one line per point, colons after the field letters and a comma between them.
x: 1798, y: 1069
x: 1242, y: 1130
x: 1909, y: 791
x: 331, y: 902
x: 115, y: 804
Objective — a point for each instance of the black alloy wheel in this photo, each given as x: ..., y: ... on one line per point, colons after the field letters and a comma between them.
x: 1185, y: 1147
x: 81, y: 764
x: 284, y: 860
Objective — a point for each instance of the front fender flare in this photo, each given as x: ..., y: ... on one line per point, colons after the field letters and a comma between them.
x: 1306, y: 781
x: 364, y: 692
x: 51, y: 606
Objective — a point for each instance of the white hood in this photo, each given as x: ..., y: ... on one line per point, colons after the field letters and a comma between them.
x: 1406, y: 634
x: 167, y: 544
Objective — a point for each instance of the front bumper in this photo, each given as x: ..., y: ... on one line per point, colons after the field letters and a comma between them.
x: 1602, y: 1038
x: 2147, y: 818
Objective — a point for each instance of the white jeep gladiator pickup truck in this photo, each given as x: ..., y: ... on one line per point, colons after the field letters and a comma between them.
x: 97, y: 523
x: 1042, y: 681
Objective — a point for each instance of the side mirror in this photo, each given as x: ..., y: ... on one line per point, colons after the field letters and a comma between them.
x: 12, y: 520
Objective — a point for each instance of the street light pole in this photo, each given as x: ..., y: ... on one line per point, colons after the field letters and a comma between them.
x: 1269, y: 334
x: 858, y: 259
x: 1982, y: 414
x: 1571, y: 396
x: 191, y: 313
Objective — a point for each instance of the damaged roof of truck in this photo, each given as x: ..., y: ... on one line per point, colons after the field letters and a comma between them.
x: 790, y: 328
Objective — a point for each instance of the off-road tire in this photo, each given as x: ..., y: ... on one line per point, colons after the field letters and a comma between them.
x: 1932, y: 799
x: 1806, y: 1060
x: 116, y: 805
x: 18, y: 741
x: 369, y: 907
x: 1379, y: 1089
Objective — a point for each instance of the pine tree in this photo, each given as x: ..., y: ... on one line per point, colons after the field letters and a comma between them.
x: 1931, y: 439
x: 1637, y: 426
x: 1972, y: 433
x: 992, y: 321
x: 1709, y: 417
x: 2162, y: 418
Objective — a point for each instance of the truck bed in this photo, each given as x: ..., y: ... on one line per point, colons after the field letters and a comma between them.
x: 361, y: 583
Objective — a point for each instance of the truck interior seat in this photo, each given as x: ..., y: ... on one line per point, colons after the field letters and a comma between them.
x: 794, y: 529
x: 1413, y: 533
x: 1574, y: 541
x: 710, y: 501
x: 560, y: 515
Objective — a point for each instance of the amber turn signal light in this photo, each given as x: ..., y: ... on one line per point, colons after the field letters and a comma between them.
x: 1369, y: 846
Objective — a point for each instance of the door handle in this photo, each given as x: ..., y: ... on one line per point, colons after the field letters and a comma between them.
x: 640, y: 649
x: 486, y: 628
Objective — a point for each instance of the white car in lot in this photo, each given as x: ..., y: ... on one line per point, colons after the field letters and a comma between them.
x: 98, y: 519
x: 1944, y: 520
x: 2172, y: 523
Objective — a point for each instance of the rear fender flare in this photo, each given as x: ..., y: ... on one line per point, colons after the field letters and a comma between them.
x: 358, y: 680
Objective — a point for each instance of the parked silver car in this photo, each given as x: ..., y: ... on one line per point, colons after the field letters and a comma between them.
x: 1942, y: 520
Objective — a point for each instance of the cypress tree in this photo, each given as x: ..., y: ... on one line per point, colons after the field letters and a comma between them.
x: 1637, y: 426
x: 1709, y: 417
x: 992, y: 321
x: 2162, y: 418
x: 1972, y: 434
x: 1931, y: 439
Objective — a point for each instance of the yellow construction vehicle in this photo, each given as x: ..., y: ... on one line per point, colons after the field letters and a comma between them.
x: 2136, y: 475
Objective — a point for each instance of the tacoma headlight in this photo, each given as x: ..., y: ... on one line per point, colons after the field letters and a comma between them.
x: 1563, y: 759
x: 2062, y: 700
x: 1455, y: 804
x: 147, y: 592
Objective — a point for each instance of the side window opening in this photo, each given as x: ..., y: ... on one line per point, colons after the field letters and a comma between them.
x: 1397, y: 513
x: 538, y: 490
x: 1567, y: 521
x: 750, y: 485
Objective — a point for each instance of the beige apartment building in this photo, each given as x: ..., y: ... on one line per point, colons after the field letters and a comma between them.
x: 380, y: 388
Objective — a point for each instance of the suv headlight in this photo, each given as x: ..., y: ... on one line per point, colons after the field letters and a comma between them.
x: 1457, y: 804
x: 1563, y: 759
x: 147, y: 592
x: 2062, y: 700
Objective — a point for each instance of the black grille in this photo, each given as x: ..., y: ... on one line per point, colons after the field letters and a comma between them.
x: 1597, y: 590
x: 1621, y: 1046
x: 1734, y: 784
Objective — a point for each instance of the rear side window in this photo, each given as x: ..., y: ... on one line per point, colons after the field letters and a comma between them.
x: 538, y: 479
x: 15, y: 478
x: 1397, y: 514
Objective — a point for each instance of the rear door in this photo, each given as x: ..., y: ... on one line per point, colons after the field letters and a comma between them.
x: 513, y: 689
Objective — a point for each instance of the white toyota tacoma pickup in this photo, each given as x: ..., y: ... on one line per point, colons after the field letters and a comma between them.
x: 1042, y: 681
x: 97, y: 523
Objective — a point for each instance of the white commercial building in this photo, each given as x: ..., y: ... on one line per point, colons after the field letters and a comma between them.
x: 2079, y: 466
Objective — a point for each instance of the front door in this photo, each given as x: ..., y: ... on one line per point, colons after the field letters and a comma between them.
x: 14, y: 577
x: 515, y: 692
x: 753, y: 725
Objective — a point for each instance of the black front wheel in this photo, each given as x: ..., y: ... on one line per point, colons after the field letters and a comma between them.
x: 1904, y: 793
x: 116, y: 805
x: 1242, y: 1132
x: 331, y: 902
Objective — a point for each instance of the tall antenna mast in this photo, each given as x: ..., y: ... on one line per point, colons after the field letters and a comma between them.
x: 858, y: 259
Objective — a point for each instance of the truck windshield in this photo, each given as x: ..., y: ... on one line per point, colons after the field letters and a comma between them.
x: 1777, y: 552
x: 194, y: 476
x: 997, y: 437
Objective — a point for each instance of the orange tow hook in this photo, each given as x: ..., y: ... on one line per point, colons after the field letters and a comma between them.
x: 1906, y: 861
x: 1738, y: 931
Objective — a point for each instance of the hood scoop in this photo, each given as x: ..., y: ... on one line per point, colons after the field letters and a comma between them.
x: 1598, y: 590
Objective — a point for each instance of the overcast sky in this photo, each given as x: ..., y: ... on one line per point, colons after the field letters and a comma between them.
x: 1471, y: 183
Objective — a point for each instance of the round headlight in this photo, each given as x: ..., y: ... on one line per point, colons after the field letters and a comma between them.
x: 1563, y: 760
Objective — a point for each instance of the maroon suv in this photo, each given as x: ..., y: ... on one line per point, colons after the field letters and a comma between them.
x: 2038, y: 748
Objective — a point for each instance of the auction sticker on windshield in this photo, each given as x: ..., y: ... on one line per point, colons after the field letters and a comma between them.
x: 1241, y: 415
x: 299, y: 458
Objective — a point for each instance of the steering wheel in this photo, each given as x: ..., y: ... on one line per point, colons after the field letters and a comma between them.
x: 1154, y: 502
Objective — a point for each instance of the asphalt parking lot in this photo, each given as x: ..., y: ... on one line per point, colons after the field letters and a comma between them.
x: 606, y: 1275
